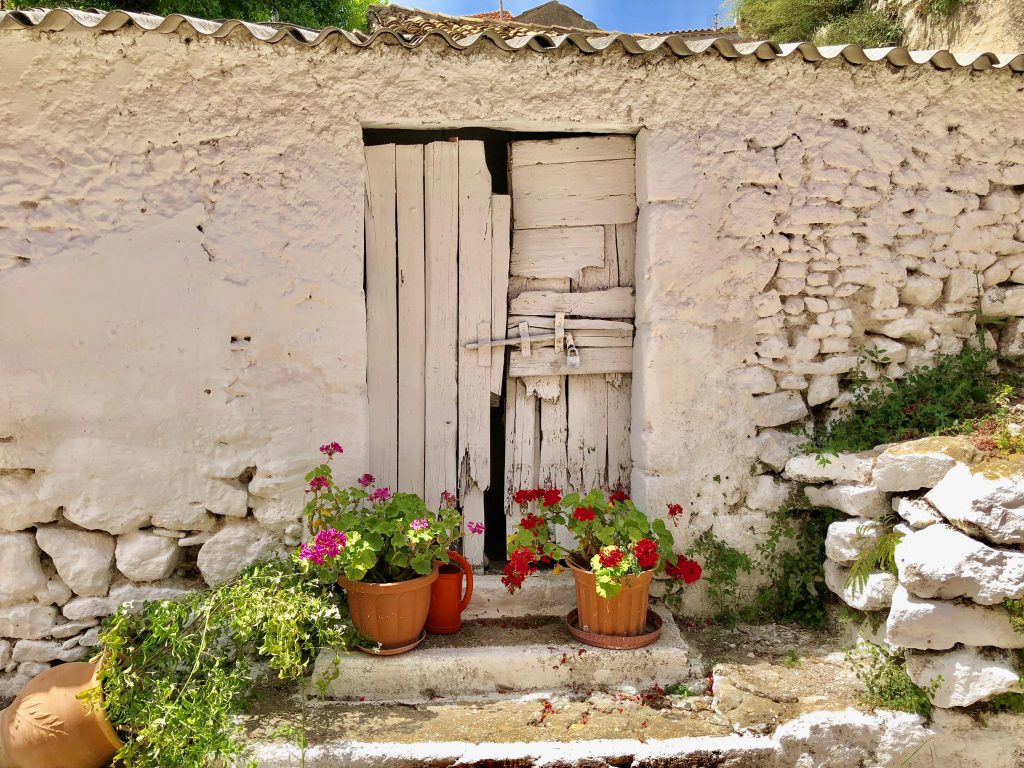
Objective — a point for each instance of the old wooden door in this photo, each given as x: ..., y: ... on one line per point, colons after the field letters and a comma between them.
x: 567, y: 417
x: 436, y: 280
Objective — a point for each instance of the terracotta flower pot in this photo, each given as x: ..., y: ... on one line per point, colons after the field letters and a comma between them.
x: 447, y: 600
x: 622, y: 615
x: 47, y: 726
x: 390, y: 614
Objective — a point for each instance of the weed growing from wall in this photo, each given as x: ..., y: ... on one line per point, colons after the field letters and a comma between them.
x: 880, y: 556
x: 722, y: 566
x: 887, y: 684
x: 793, y: 557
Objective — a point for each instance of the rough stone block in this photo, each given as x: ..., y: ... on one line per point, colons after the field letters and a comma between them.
x: 964, y: 676
x: 844, y: 468
x: 916, y: 464
x: 847, y: 540
x: 145, y: 556
x: 779, y: 408
x: 939, y: 624
x: 236, y: 546
x: 82, y: 558
x: 856, y: 500
x: 941, y: 562
x: 22, y: 574
x: 876, y: 594
x: 775, y: 448
x: 27, y: 621
x: 986, y: 499
x: 916, y: 513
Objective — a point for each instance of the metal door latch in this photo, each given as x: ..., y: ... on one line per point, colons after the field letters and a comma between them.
x: 572, y: 355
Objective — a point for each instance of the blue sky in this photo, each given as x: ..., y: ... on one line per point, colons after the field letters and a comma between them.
x: 618, y: 15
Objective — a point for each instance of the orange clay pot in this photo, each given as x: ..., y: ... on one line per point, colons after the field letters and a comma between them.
x: 622, y: 615
x: 46, y: 726
x: 390, y: 614
x: 447, y: 601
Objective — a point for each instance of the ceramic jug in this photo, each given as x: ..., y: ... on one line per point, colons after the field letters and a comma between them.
x: 447, y: 600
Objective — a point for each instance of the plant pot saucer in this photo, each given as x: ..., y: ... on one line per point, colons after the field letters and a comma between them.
x: 393, y: 651
x: 652, y: 631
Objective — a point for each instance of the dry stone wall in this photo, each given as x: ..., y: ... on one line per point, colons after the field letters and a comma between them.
x: 959, y: 560
x: 181, y: 277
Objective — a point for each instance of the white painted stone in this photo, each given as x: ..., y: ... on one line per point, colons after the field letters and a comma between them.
x: 90, y: 638
x: 856, y: 500
x: 106, y: 518
x: 1011, y: 338
x: 21, y: 574
x: 990, y: 503
x: 56, y: 592
x: 777, y: 409
x: 146, y: 556
x: 775, y: 448
x: 755, y: 380
x: 82, y: 558
x: 844, y: 468
x: 964, y: 676
x: 231, y: 549
x: 192, y: 517
x: 29, y: 669
x: 766, y: 494
x: 876, y: 594
x: 80, y: 608
x: 847, y: 540
x: 5, y: 653
x: 921, y: 291
x: 195, y: 540
x: 27, y: 621
x: 1003, y: 302
x: 71, y: 628
x: 913, y: 465
x: 768, y: 304
x: 43, y: 651
x: 941, y: 562
x: 851, y: 739
x: 822, y: 389
x: 940, y: 624
x: 917, y: 513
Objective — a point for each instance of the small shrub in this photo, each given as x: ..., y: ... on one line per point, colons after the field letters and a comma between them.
x: 867, y: 28
x: 887, y: 684
x: 788, y: 21
x: 925, y: 401
x: 722, y: 567
x: 797, y: 593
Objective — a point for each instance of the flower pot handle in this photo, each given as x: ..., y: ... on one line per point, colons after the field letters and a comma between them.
x: 468, y: 570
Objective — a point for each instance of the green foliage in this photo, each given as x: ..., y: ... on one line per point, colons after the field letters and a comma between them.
x: 867, y: 27
x: 793, y: 556
x: 346, y: 14
x: 940, y: 7
x: 1006, y: 702
x: 887, y: 684
x: 881, y: 556
x: 792, y: 659
x: 722, y: 567
x: 175, y: 674
x: 1016, y: 610
x: 924, y: 401
x: 679, y: 689
x: 823, y: 21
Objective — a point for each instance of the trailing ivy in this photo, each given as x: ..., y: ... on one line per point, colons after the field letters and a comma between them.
x: 722, y: 566
x: 793, y: 557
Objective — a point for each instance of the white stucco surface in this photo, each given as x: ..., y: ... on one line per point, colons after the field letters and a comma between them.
x: 182, y: 317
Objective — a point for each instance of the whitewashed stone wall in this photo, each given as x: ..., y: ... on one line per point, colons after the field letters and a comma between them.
x: 960, y: 558
x: 182, y: 319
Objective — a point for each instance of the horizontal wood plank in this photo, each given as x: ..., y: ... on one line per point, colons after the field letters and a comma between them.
x: 547, y: 362
x: 574, y: 194
x: 571, y: 323
x: 573, y: 150
x: 556, y: 251
x: 611, y: 304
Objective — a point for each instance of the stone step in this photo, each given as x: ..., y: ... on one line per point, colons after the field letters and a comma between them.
x: 505, y: 656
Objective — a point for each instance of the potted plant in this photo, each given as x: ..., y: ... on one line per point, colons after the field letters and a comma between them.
x: 170, y: 679
x: 383, y: 548
x: 617, y: 551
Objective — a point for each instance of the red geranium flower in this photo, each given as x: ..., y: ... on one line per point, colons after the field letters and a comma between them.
x: 685, y: 569
x: 583, y: 513
x: 674, y: 510
x: 522, y: 497
x: 552, y: 496
x: 531, y: 521
x: 519, y: 566
x: 619, y: 495
x: 646, y: 552
x: 611, y: 557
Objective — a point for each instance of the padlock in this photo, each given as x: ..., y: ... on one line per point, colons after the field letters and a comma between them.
x: 572, y: 355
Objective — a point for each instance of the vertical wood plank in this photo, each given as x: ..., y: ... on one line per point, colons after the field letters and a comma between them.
x: 411, y: 318
x: 587, y: 423
x: 620, y: 463
x: 510, y: 447
x: 553, y: 429
x: 501, y: 232
x: 625, y: 239
x: 382, y: 313
x: 441, y: 226
x: 524, y: 447
x: 474, y: 309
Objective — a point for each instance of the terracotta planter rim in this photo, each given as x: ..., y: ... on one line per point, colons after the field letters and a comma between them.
x: 390, y: 586
x: 571, y: 564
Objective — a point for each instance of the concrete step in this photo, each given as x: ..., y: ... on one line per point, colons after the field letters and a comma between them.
x: 506, y: 656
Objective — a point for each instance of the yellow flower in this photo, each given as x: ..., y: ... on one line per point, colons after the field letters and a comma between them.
x: 557, y: 569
